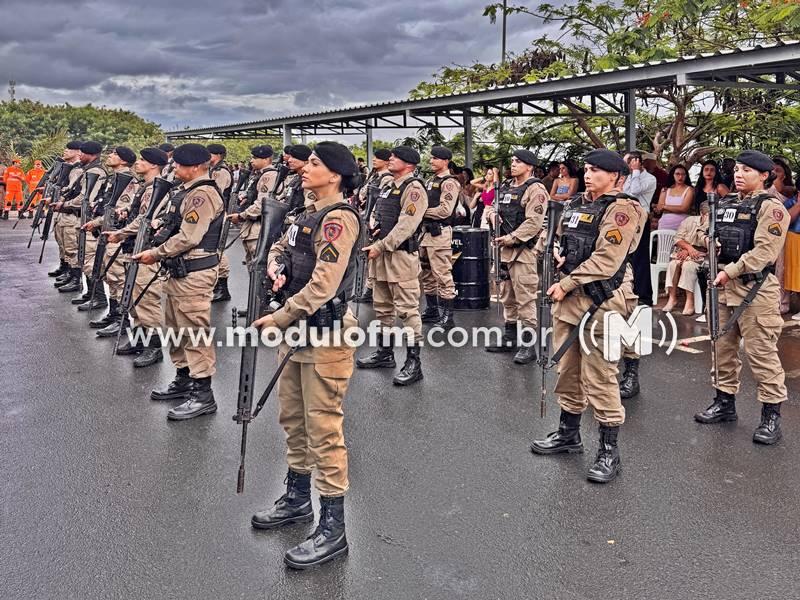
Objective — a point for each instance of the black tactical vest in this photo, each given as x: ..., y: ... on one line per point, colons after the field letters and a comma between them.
x: 387, y: 210
x: 172, y: 224
x: 510, y: 203
x: 300, y: 256
x: 251, y: 192
x: 736, y: 225
x: 226, y: 193
x: 434, y: 189
x: 133, y: 213
x: 296, y: 198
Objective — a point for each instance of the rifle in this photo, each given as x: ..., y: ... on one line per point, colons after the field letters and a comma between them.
x: 161, y: 188
x: 91, y: 181
x: 63, y: 180
x: 712, y: 302
x: 35, y: 190
x: 496, y: 234
x: 273, y: 214
x: 47, y: 193
x: 121, y: 182
x: 361, y: 257
x: 233, y: 201
x: 554, y: 210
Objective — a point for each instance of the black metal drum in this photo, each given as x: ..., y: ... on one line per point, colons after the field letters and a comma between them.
x: 471, y: 268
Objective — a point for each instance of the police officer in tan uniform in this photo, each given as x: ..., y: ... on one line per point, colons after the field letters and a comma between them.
x: 262, y: 179
x: 70, y: 209
x: 70, y: 156
x: 376, y: 181
x: 522, y: 203
x: 598, y: 231
x: 168, y: 172
x: 293, y: 193
x: 436, y: 246
x: 751, y: 230
x: 186, y: 245
x: 318, y: 252
x: 222, y: 175
x: 147, y: 314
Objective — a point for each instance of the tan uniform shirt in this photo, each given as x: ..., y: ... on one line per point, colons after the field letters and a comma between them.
x: 93, y: 167
x: 199, y: 208
x: 773, y: 223
x: 535, y: 202
x: 221, y: 176
x: 393, y: 265
x: 448, y: 197
x: 125, y: 199
x: 251, y: 225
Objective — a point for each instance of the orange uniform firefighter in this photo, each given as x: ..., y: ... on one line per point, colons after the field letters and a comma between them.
x: 32, y: 178
x: 14, y: 178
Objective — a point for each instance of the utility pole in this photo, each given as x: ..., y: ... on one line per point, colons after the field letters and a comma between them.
x: 505, y: 5
x: 12, y: 90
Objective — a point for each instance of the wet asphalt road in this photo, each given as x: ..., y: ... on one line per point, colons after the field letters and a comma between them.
x: 103, y: 498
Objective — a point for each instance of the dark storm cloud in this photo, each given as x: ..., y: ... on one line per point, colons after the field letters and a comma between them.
x: 181, y: 62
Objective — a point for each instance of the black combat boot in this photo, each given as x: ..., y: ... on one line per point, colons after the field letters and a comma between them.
x: 769, y: 430
x: 127, y: 347
x: 64, y: 278
x: 328, y: 540
x: 75, y: 284
x: 178, y: 388
x: 629, y: 386
x: 108, y: 318
x: 85, y: 296
x: 366, y: 297
x: 722, y: 409
x: 199, y: 402
x: 412, y: 369
x: 606, y: 464
x: 293, y: 507
x: 221, y: 292
x: 98, y: 301
x: 149, y: 356
x: 527, y: 350
x: 382, y: 358
x: 60, y: 270
x: 566, y: 439
x: 431, y: 312
x: 112, y: 329
x: 508, y: 343
x: 5, y: 215
x: 446, y: 321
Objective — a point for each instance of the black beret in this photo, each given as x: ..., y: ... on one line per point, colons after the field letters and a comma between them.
x: 190, y: 155
x: 91, y: 148
x: 382, y: 153
x: 526, y: 156
x: 407, y: 154
x: 756, y: 160
x: 166, y: 147
x: 441, y: 152
x: 217, y: 149
x: 300, y: 152
x: 155, y: 156
x: 608, y: 160
x: 287, y: 148
x: 74, y: 145
x: 264, y: 151
x: 337, y: 158
x: 126, y: 154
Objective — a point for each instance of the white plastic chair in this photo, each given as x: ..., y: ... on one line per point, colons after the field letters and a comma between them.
x: 666, y: 239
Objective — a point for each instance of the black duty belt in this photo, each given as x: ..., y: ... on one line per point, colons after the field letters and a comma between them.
x: 179, y: 267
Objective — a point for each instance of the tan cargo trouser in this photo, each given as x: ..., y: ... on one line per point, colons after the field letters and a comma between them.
x: 400, y: 300
x: 148, y: 312
x: 249, y: 249
x: 518, y: 294
x: 224, y: 267
x: 187, y: 306
x: 115, y: 276
x: 58, y: 236
x: 437, y: 271
x: 69, y: 237
x: 760, y: 333
x: 587, y: 379
x: 310, y: 396
x: 89, y: 254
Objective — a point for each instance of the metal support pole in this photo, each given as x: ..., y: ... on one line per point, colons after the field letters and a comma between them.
x: 630, y: 120
x: 467, y: 138
x: 287, y: 135
x: 369, y: 148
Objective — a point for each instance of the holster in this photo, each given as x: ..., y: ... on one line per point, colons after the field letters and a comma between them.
x: 433, y: 227
x: 329, y: 313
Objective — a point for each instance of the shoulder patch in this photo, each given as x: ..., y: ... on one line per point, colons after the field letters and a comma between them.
x: 197, y: 201
x: 777, y: 215
x: 192, y: 217
x: 329, y: 254
x: 331, y: 231
x: 775, y: 229
x: 414, y: 196
x: 621, y: 219
x: 411, y: 210
x: 614, y: 236
x: 538, y: 209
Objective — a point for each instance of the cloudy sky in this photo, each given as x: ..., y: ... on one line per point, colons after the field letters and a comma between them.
x: 194, y: 63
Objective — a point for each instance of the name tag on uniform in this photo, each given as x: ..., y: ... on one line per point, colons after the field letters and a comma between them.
x: 396, y: 192
x: 292, y: 235
x: 585, y: 218
x: 729, y: 216
x: 574, y: 219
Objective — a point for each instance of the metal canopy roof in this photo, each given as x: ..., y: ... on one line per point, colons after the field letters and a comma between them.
x: 775, y: 66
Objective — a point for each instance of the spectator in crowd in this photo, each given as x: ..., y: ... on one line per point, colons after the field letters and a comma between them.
x: 676, y: 199
x: 650, y: 164
x: 551, y: 175
x: 483, y: 196
x: 783, y: 189
x: 566, y: 184
x: 465, y: 207
x: 641, y: 185
x: 688, y: 254
x: 791, y: 271
x: 726, y: 172
x: 710, y: 181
